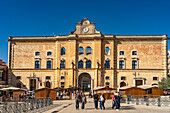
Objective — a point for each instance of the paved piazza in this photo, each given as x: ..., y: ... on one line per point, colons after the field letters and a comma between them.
x: 68, y: 106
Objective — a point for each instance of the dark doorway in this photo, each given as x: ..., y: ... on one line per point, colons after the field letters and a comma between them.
x: 84, y: 81
x: 139, y: 82
x: 48, y: 84
x: 32, y: 84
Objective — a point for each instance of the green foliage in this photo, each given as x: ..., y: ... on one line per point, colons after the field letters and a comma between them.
x: 164, y: 83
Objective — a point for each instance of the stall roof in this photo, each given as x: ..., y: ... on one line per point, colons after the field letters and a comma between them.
x: 146, y: 86
x: 104, y: 88
x: 73, y: 88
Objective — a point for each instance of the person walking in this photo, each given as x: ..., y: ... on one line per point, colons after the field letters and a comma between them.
x: 77, y: 99
x: 83, y: 100
x: 96, y: 99
x: 102, y: 101
x: 113, y: 101
x: 19, y: 97
x: 117, y: 101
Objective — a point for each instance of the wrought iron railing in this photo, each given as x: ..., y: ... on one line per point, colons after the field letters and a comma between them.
x: 25, y: 106
x: 144, y: 100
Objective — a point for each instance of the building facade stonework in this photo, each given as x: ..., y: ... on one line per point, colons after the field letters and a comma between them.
x: 3, y: 74
x: 88, y: 59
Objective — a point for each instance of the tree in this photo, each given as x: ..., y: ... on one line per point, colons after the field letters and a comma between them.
x: 164, y: 83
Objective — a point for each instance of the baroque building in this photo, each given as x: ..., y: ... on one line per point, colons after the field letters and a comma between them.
x: 87, y: 58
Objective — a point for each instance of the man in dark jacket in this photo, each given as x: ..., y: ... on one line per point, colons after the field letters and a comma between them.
x: 117, y: 101
x: 96, y: 99
x: 78, y: 99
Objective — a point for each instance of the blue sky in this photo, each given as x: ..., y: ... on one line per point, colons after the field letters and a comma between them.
x: 118, y: 17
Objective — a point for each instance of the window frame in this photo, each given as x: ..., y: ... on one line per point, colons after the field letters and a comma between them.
x: 134, y: 65
x: 62, y: 64
x: 134, y: 54
x: 79, y: 66
x: 18, y: 77
x: 107, y: 77
x: 107, y: 53
x: 37, y: 64
x: 122, y: 64
x: 37, y: 53
x: 48, y: 78
x: 49, y: 52
x: 107, y: 64
x: 122, y: 77
x: 121, y: 52
x: 63, y: 51
x: 88, y: 53
x: 50, y: 64
x: 156, y: 78
x: 82, y: 51
x: 88, y: 66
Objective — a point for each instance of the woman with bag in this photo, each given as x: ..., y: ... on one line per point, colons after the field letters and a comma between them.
x: 102, y: 101
x: 83, y: 100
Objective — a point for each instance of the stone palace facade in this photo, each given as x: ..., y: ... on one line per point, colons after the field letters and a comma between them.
x: 87, y: 59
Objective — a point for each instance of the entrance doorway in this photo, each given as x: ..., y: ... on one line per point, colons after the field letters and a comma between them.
x: 84, y: 82
x: 32, y: 83
x: 139, y: 82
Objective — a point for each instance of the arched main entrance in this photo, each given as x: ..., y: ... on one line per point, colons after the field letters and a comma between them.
x: 84, y: 81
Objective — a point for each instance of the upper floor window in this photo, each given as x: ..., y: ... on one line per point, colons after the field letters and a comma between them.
x: 123, y: 78
x: 121, y: 64
x: 49, y: 53
x: 107, y: 51
x: 107, y: 77
x: 37, y: 64
x: 88, y: 50
x: 37, y: 53
x: 107, y: 83
x: 155, y: 78
x: 63, y: 51
x: 134, y: 53
x: 1, y: 76
x: 121, y: 53
x: 48, y: 77
x: 107, y: 64
x: 18, y: 77
x: 88, y: 64
x: 62, y: 77
x: 62, y: 64
x: 81, y: 50
x: 134, y: 64
x: 80, y: 64
x: 49, y: 64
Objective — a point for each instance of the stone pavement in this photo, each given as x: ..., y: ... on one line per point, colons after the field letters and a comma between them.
x: 68, y: 106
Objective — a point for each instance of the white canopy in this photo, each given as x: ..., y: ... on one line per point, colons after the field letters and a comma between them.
x: 10, y: 88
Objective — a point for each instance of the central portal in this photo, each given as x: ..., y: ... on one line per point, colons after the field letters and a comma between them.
x: 84, y: 81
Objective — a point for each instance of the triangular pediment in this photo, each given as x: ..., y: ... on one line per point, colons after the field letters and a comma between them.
x: 85, y: 27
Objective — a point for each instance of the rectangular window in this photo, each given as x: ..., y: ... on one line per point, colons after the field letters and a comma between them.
x: 107, y: 77
x: 37, y: 64
x: 134, y: 65
x: 62, y: 77
x: 18, y: 77
x: 1, y: 76
x: 48, y: 64
x: 107, y: 83
x: 134, y: 52
x: 155, y: 78
x: 121, y: 64
x: 62, y: 84
x: 48, y: 77
x: 123, y: 78
x: 121, y: 53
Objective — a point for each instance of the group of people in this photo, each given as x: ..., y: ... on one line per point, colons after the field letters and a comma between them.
x: 81, y: 98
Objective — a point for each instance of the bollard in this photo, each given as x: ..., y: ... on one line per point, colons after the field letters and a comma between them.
x: 147, y: 101
x: 137, y: 101
x: 37, y: 103
x: 42, y: 102
x: 159, y: 102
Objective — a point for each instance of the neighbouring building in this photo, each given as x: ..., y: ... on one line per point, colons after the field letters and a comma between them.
x: 168, y: 63
x: 3, y: 74
x: 87, y: 58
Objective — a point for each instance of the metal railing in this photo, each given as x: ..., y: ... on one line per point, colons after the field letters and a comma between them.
x: 25, y: 106
x: 154, y: 101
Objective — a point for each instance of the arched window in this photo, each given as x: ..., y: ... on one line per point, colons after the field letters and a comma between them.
x: 62, y: 64
x: 107, y: 64
x: 63, y: 51
x: 37, y: 53
x: 122, y: 84
x: 88, y: 50
x: 107, y: 51
x: 80, y: 64
x: 81, y: 50
x: 88, y: 64
x: 49, y: 64
x: 49, y: 53
x: 134, y: 53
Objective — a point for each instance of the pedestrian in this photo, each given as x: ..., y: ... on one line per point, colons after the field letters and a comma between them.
x: 96, y: 99
x: 117, y: 101
x: 113, y: 101
x: 102, y: 101
x: 19, y: 97
x: 61, y: 95
x: 77, y: 99
x: 83, y: 100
